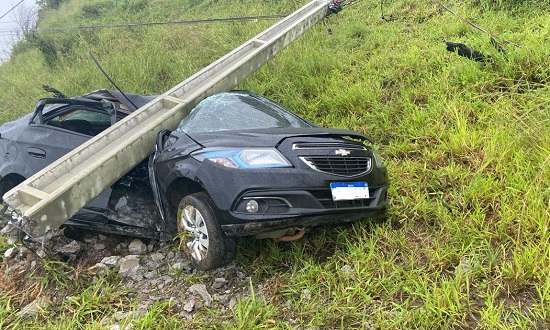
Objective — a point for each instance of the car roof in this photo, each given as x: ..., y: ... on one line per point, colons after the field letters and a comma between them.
x: 130, y: 102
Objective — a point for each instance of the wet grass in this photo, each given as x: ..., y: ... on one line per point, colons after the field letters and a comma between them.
x: 466, y: 241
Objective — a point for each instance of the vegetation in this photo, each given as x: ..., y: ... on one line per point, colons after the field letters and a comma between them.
x: 466, y: 242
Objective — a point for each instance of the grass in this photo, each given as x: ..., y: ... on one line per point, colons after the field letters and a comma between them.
x: 467, y: 145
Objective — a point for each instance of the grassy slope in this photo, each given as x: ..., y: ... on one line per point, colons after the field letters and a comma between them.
x: 467, y: 146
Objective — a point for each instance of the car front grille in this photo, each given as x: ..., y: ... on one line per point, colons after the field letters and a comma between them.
x: 327, y: 145
x: 338, y: 165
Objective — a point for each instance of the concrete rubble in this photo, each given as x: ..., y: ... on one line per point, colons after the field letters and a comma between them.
x: 151, y: 272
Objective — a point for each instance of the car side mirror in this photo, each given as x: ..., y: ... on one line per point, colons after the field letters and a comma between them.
x: 162, y: 136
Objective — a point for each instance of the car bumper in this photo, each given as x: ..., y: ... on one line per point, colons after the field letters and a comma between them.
x: 286, y: 197
x: 241, y: 224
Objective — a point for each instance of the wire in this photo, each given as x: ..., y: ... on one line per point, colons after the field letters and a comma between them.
x: 112, y: 81
x: 198, y: 21
x: 8, y: 33
x: 203, y: 21
x: 12, y: 8
x: 472, y: 24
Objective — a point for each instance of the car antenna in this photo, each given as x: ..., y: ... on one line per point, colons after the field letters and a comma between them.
x: 111, y: 80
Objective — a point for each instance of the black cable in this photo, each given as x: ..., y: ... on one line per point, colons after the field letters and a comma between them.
x: 12, y: 8
x: 54, y: 91
x: 111, y: 81
x: 211, y: 20
x: 474, y: 25
x: 199, y: 21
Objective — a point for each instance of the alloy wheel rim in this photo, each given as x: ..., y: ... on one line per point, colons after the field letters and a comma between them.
x: 193, y: 223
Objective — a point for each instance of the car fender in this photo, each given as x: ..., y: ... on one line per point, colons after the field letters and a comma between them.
x: 178, y: 169
x: 222, y: 198
x: 169, y: 168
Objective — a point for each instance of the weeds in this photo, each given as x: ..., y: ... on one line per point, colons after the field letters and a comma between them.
x: 466, y: 241
x: 253, y: 313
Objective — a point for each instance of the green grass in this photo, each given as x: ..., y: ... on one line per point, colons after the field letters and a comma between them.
x: 467, y: 145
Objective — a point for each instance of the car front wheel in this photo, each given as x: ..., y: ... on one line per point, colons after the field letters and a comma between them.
x: 200, y: 234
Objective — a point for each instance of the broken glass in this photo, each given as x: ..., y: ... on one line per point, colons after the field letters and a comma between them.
x: 237, y: 111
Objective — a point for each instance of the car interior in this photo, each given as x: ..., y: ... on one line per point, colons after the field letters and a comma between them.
x: 81, y: 121
x: 76, y: 125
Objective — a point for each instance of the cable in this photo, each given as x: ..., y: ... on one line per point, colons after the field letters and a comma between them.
x: 199, y: 21
x: 112, y: 81
x: 212, y: 20
x: 473, y: 25
x: 12, y: 8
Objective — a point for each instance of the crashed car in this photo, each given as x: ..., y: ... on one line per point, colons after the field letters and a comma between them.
x: 239, y: 164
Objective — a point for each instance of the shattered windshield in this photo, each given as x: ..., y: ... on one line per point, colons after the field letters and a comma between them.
x: 237, y: 111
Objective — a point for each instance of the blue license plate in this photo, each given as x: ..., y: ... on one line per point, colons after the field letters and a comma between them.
x: 349, y: 190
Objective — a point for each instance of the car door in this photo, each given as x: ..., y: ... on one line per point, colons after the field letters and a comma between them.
x: 57, y: 128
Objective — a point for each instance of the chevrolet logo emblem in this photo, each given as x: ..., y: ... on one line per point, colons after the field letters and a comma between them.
x: 342, y: 152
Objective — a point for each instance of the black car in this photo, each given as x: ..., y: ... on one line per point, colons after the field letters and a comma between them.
x: 239, y: 164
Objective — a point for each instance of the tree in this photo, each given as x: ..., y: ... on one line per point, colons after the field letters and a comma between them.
x: 26, y: 19
x: 49, y: 4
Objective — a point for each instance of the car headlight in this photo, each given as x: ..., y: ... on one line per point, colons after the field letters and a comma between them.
x: 244, y: 158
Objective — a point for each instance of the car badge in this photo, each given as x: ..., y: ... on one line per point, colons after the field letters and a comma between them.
x: 342, y: 152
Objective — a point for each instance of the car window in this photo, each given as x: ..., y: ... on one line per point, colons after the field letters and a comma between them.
x: 91, y: 116
x: 234, y: 111
x: 80, y: 121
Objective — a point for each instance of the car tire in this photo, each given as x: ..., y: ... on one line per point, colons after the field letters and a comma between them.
x: 201, y: 237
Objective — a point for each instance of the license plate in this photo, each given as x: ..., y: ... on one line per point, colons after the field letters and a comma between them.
x: 349, y: 190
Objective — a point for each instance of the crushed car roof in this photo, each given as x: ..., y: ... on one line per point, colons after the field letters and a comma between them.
x: 131, y: 101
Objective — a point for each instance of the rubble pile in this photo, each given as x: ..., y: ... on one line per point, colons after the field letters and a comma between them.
x: 149, y: 272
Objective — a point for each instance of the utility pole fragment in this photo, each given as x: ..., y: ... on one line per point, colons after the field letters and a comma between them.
x: 50, y: 197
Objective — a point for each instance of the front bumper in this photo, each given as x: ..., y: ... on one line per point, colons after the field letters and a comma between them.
x: 287, y: 197
x: 244, y: 224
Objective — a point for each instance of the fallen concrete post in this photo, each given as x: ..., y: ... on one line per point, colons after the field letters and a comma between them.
x: 50, y: 197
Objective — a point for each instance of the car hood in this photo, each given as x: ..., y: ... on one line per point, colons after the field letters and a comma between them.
x: 270, y: 137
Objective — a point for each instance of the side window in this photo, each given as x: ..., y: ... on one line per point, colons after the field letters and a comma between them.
x: 81, y: 121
